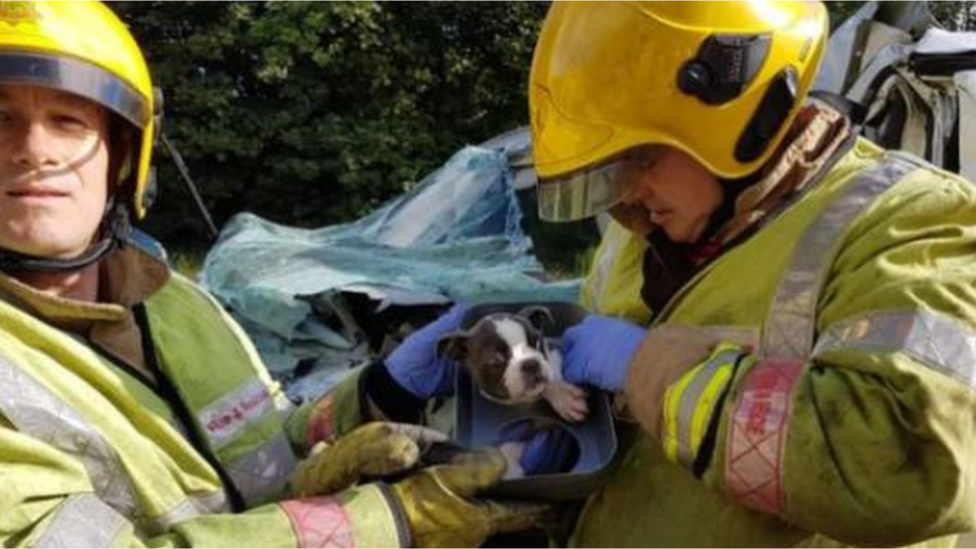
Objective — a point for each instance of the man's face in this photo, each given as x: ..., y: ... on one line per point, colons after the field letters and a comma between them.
x: 673, y: 190
x: 54, y: 166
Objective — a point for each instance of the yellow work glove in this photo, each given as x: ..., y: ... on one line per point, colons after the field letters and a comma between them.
x: 375, y: 449
x: 440, y: 509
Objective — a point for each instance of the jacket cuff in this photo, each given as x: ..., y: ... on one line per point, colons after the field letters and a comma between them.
x: 692, y: 404
x: 365, y: 516
x: 386, y: 400
x: 332, y: 415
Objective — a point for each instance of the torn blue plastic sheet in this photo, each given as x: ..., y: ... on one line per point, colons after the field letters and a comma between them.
x: 455, y: 237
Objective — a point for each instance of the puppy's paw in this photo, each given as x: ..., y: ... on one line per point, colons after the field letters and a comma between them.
x: 569, y: 401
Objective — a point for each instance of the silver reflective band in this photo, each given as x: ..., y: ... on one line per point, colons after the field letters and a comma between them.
x: 37, y: 412
x: 755, y: 467
x: 77, y: 77
x: 690, y: 399
x: 934, y: 340
x: 582, y: 194
x: 193, y: 506
x: 33, y: 410
x: 261, y: 475
x: 83, y: 520
x: 789, y: 329
x: 236, y: 411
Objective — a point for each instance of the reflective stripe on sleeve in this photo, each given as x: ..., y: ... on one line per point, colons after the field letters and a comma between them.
x: 37, y: 412
x: 789, y: 330
x: 262, y: 474
x: 363, y: 516
x: 934, y: 340
x: 83, y: 520
x: 319, y: 522
x: 759, y: 420
x: 689, y: 403
x: 234, y: 411
x: 193, y: 506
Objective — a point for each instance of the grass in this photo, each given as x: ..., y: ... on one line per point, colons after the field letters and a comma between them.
x: 188, y: 262
x: 577, y: 266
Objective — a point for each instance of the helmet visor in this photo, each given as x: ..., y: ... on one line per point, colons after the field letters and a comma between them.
x: 587, y: 192
x: 77, y: 77
x: 581, y: 194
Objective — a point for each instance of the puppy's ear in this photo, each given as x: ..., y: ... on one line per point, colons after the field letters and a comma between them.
x: 453, y: 346
x: 538, y: 316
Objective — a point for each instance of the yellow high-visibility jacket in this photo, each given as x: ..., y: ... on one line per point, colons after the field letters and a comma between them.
x: 90, y: 456
x: 851, y: 420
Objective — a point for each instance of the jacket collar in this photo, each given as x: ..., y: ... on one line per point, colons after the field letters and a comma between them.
x: 816, y: 138
x: 128, y: 276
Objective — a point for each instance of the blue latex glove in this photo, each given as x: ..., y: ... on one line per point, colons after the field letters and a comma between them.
x: 414, y: 364
x: 598, y: 351
x: 547, y: 450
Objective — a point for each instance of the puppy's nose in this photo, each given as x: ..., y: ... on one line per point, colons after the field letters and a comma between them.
x: 532, y: 371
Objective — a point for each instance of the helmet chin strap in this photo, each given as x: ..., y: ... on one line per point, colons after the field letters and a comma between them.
x: 115, y: 228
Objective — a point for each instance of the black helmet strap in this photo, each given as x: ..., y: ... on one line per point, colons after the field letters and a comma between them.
x: 115, y: 228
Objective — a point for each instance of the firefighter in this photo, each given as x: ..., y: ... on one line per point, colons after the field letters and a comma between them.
x: 133, y: 410
x: 797, y: 342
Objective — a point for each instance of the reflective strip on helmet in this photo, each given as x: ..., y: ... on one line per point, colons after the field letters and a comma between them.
x: 689, y: 403
x: 934, y: 340
x: 759, y: 421
x: 262, y: 474
x: 77, y: 77
x: 83, y: 520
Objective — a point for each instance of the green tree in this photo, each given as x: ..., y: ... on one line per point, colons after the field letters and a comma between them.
x: 314, y: 113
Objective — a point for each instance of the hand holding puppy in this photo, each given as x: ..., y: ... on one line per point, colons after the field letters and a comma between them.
x: 599, y: 350
x: 415, y: 364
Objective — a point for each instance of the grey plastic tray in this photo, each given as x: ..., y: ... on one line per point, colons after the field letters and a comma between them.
x: 480, y: 422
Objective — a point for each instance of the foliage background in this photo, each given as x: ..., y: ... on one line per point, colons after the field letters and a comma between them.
x: 314, y: 113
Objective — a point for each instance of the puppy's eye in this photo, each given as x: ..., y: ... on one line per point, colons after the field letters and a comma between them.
x: 499, y: 358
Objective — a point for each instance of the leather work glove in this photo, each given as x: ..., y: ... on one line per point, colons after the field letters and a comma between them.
x: 440, y: 509
x: 415, y: 366
x: 598, y: 351
x: 374, y: 449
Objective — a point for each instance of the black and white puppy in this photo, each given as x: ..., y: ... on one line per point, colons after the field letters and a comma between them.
x: 512, y: 362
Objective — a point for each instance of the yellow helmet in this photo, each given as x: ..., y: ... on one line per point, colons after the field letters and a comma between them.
x: 720, y: 81
x: 83, y: 48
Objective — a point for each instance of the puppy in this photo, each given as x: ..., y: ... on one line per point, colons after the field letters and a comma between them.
x: 512, y: 362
